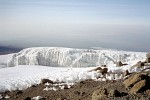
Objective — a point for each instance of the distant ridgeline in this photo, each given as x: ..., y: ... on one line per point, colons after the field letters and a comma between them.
x: 9, y: 49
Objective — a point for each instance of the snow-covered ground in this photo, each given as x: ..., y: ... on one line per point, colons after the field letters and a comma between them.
x: 62, y: 57
x: 23, y: 76
x: 29, y: 66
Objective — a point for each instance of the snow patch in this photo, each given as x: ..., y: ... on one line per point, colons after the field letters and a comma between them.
x: 37, y: 98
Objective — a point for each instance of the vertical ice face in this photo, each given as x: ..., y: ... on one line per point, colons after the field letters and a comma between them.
x: 69, y: 57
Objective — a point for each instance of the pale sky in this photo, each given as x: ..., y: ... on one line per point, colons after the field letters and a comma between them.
x: 118, y: 24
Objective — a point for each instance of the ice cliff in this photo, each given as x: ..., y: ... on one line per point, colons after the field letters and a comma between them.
x: 69, y: 57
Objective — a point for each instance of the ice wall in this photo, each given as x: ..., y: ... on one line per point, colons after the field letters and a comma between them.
x: 69, y: 57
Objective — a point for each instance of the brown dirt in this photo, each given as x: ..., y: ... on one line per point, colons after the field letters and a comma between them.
x: 80, y: 91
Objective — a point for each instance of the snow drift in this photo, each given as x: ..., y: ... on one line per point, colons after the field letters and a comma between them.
x: 69, y: 57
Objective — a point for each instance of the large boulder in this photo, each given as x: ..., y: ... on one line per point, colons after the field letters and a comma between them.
x: 134, y: 79
x: 100, y: 94
x: 138, y: 82
x: 138, y: 86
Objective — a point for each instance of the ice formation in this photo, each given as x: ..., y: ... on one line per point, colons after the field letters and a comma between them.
x: 69, y: 57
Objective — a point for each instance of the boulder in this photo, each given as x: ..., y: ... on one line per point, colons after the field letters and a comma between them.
x: 119, y: 64
x: 114, y: 93
x: 99, y: 94
x: 104, y: 70
x: 140, y: 64
x: 134, y: 79
x: 43, y: 81
x: 66, y: 86
x: 101, y: 70
x: 126, y: 73
x: 138, y: 86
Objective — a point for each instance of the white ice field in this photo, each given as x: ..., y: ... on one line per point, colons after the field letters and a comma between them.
x: 21, y: 70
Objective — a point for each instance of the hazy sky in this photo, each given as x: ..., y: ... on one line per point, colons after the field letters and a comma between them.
x: 119, y: 24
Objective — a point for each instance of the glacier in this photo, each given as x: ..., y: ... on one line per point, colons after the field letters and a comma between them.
x: 71, y: 57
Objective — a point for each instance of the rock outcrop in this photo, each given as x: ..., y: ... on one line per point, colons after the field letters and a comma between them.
x: 138, y: 86
x: 134, y: 79
x: 137, y: 83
